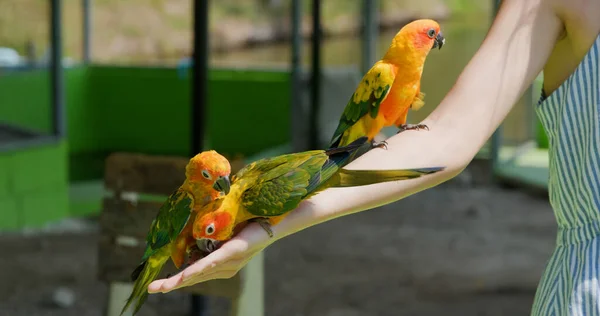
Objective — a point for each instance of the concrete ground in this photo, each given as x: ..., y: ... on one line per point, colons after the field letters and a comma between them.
x: 461, y: 248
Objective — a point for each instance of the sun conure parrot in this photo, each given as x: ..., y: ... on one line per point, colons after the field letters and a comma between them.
x: 391, y: 87
x: 268, y: 189
x: 170, y: 235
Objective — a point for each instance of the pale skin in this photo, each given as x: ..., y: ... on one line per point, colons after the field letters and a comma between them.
x: 527, y: 36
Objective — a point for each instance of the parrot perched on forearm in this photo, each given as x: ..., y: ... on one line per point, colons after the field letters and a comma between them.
x: 170, y: 235
x: 268, y: 189
x: 391, y: 87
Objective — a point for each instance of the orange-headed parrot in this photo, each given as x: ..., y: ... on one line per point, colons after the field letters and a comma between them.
x: 391, y: 87
x: 207, y: 178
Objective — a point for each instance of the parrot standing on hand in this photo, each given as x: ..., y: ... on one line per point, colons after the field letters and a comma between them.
x: 391, y: 87
x: 268, y: 189
x: 170, y: 235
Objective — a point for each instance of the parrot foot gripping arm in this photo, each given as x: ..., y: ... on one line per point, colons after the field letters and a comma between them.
x: 381, y: 144
x: 265, y: 224
x: 406, y: 127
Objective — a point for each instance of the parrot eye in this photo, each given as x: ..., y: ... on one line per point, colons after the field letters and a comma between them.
x: 210, y: 229
x: 431, y: 33
x: 206, y: 174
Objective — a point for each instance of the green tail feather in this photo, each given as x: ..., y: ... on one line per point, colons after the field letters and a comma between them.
x: 351, y: 178
x: 144, y: 274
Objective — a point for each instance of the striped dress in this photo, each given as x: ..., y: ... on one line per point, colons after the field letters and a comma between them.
x: 570, y: 283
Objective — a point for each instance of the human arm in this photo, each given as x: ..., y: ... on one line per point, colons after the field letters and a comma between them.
x: 512, y: 55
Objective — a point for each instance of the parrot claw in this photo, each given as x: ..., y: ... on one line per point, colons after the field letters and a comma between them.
x: 406, y: 127
x: 381, y: 144
x: 264, y: 223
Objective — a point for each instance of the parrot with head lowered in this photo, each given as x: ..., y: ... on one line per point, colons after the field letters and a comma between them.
x: 170, y: 235
x: 391, y: 87
x: 268, y: 189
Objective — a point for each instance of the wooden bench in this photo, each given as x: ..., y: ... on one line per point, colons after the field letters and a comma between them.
x: 136, y: 185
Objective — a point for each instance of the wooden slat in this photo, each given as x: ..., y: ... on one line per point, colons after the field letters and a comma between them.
x: 144, y: 173
x: 121, y: 217
x: 121, y: 220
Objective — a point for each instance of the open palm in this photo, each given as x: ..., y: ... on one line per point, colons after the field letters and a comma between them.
x: 223, y: 263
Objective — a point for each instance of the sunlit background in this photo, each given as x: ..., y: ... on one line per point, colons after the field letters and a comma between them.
x: 469, y: 247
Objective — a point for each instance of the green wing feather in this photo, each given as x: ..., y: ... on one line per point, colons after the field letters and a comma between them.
x: 166, y: 226
x: 172, y: 217
x: 370, y: 93
x: 262, y: 166
x: 280, y: 189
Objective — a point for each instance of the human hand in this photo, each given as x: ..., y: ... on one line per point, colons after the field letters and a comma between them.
x: 223, y: 263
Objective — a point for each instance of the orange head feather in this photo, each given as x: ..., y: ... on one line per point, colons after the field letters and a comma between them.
x: 217, y: 225
x: 414, y: 41
x: 209, y: 171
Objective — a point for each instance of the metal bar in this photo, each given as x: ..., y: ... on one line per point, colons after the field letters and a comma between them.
x: 199, y: 305
x: 316, y: 76
x: 370, y: 30
x: 199, y: 81
x: 199, y: 88
x: 298, y: 109
x: 87, y: 29
x: 56, y: 70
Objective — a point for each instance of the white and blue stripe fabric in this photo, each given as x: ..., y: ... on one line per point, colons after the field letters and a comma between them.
x: 571, y: 117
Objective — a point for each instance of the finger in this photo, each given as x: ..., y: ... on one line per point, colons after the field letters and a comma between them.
x: 215, y: 259
x: 211, y: 268
x: 199, y: 267
x: 221, y: 274
x: 224, y: 271
x: 171, y: 283
x: 156, y: 285
x: 199, y: 274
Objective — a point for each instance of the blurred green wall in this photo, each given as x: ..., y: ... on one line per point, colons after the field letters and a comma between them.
x: 146, y: 110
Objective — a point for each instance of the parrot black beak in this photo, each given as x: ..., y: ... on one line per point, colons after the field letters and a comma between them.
x: 439, y: 41
x: 207, y: 245
x: 222, y: 185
